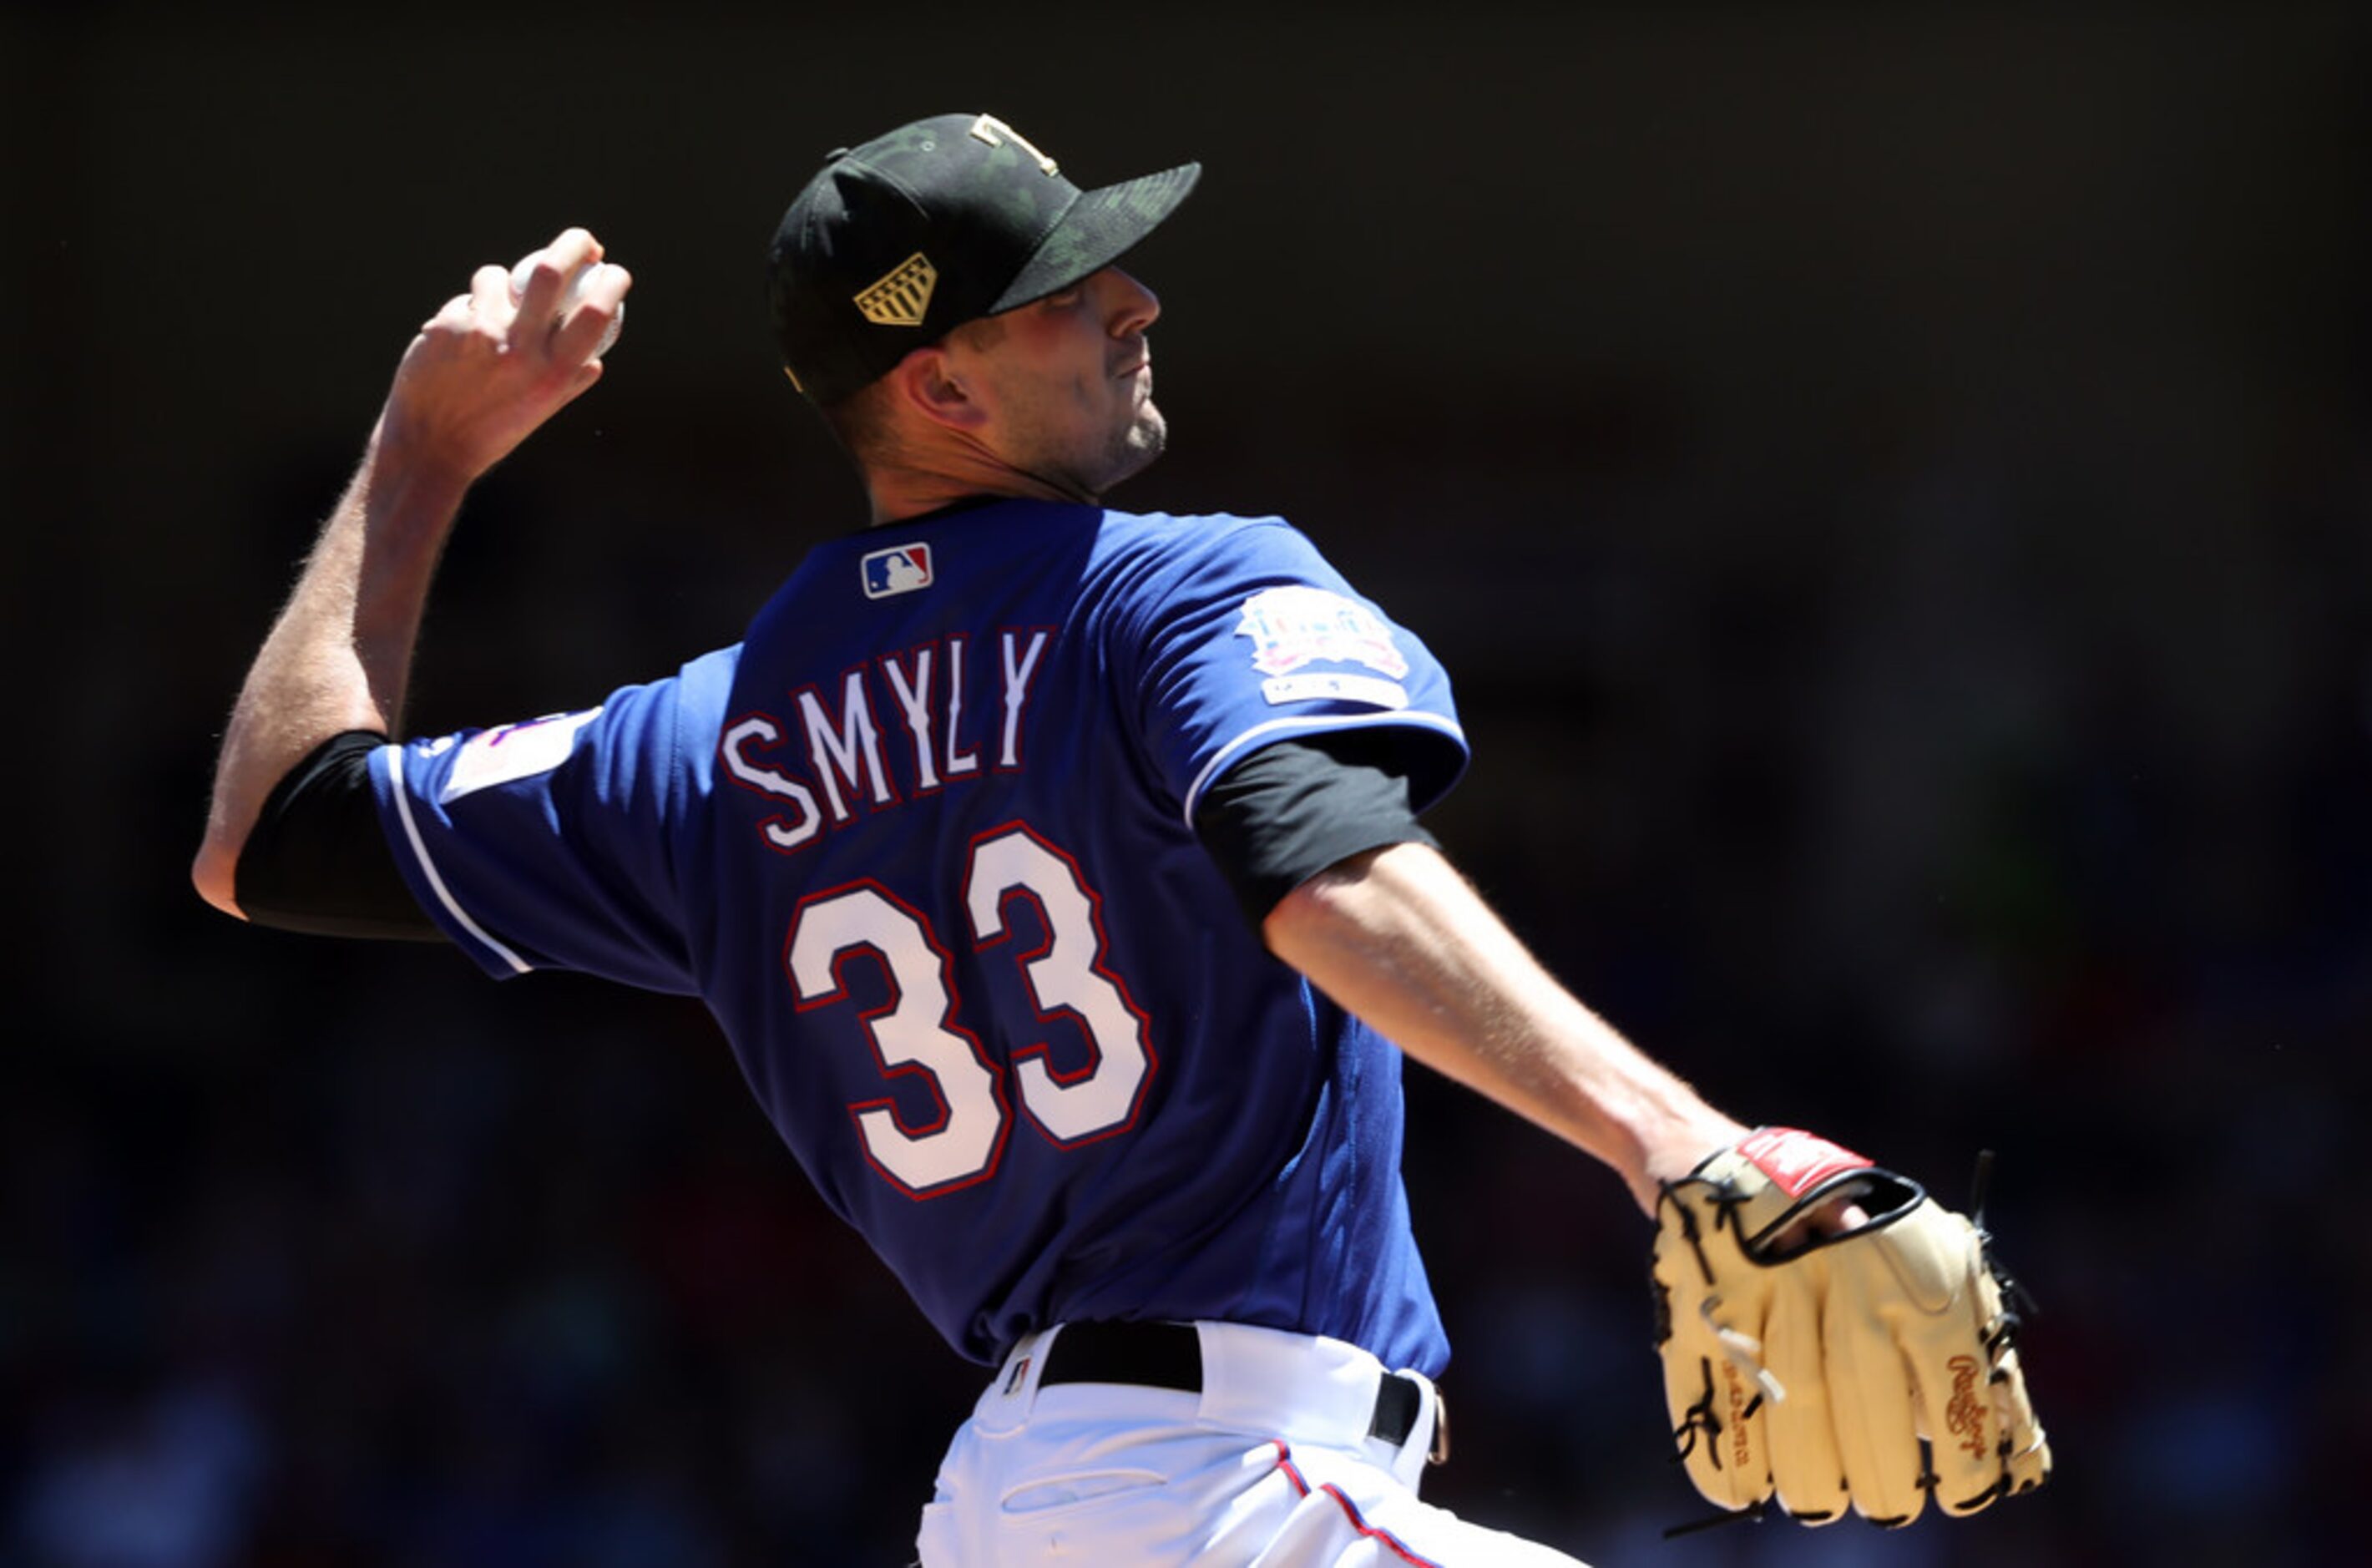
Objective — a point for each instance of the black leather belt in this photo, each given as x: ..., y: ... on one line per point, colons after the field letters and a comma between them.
x: 1169, y: 1355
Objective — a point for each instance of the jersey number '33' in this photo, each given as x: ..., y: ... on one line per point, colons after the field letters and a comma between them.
x: 918, y: 1030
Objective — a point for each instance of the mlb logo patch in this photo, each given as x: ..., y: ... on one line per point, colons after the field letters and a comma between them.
x: 900, y: 569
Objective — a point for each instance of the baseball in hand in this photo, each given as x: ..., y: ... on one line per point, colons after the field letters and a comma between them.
x: 574, y: 292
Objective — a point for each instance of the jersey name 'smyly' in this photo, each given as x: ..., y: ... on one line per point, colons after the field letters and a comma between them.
x: 847, y: 758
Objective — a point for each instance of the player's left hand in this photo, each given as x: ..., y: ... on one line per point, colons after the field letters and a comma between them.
x: 486, y: 370
x: 1867, y: 1360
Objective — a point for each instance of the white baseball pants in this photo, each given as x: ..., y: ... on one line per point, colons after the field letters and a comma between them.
x: 1271, y: 1465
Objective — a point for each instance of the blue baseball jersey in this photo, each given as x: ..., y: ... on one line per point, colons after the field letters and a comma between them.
x: 923, y: 842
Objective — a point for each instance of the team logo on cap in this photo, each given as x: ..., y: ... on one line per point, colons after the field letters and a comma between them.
x: 899, y: 295
x: 900, y: 569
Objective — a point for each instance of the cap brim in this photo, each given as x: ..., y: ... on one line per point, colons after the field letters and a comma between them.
x: 1100, y: 228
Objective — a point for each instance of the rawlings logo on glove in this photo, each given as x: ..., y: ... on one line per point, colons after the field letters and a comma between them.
x: 1869, y: 1366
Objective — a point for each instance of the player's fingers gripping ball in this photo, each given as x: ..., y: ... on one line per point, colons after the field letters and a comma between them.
x: 1872, y: 1366
x: 573, y: 290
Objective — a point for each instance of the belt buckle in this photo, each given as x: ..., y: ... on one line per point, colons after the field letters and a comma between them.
x: 1437, y: 1453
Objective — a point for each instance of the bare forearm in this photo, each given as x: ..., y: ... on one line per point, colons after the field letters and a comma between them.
x: 1400, y: 939
x: 485, y: 372
x: 339, y: 655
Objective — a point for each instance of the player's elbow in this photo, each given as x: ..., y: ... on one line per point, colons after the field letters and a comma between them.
x: 214, y: 874
x: 1316, y: 913
x: 1300, y: 910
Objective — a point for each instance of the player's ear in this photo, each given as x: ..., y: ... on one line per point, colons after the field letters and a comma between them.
x: 929, y: 384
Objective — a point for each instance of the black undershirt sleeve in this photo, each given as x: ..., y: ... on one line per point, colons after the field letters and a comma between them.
x: 317, y: 861
x: 1294, y: 808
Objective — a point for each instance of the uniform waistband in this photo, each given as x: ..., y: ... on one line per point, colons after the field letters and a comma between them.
x: 1300, y: 1386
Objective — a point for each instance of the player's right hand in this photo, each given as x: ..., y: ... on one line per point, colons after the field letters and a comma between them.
x: 487, y: 371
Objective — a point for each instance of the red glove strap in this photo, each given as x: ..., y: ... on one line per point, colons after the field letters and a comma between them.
x: 1796, y: 1161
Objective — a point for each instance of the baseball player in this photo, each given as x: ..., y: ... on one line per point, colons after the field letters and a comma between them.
x: 1053, y: 872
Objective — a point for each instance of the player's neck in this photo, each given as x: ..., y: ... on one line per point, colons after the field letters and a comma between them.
x: 908, y: 490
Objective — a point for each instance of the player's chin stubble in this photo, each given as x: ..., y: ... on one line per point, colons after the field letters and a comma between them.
x: 1129, y: 450
x: 1147, y: 433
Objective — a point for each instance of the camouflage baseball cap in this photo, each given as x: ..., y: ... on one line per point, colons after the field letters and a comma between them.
x: 894, y: 244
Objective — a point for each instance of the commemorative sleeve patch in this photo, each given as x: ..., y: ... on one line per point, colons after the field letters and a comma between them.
x: 1296, y: 626
x: 513, y: 751
x: 1291, y: 628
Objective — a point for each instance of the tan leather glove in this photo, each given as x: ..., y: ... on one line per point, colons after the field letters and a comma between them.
x: 1870, y: 1364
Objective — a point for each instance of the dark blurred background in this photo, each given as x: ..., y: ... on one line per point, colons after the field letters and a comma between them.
x: 1894, y: 488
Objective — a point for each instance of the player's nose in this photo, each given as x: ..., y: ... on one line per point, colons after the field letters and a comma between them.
x: 1132, y: 306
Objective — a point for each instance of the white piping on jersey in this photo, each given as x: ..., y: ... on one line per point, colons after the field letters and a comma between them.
x: 1338, y: 720
x: 429, y: 867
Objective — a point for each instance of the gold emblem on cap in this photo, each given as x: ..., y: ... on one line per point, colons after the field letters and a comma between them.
x: 901, y: 295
